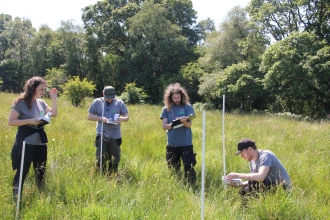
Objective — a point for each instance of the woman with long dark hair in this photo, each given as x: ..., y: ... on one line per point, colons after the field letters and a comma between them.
x: 25, y: 113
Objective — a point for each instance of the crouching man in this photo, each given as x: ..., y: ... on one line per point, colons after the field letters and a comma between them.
x: 266, y: 171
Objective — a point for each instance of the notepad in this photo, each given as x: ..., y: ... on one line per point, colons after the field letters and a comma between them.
x: 177, y: 123
x: 227, y: 181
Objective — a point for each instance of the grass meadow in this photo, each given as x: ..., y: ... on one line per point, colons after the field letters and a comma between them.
x: 146, y: 189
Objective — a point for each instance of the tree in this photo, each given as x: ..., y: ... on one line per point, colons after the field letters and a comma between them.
x: 157, y: 49
x: 279, y: 18
x: 15, y: 67
x: 205, y: 27
x: 208, y: 88
x: 106, y: 22
x: 93, y: 55
x: 297, y: 73
x: 71, y: 38
x: 4, y: 44
x: 39, y: 50
x: 191, y: 74
x: 120, y: 30
x: 242, y: 83
x: 222, y: 48
x: 182, y: 14
x: 232, y: 56
x: 56, y: 78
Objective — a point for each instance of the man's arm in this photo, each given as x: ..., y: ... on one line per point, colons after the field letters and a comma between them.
x: 92, y: 117
x: 166, y: 125
x: 123, y: 118
x: 185, y: 122
x: 260, y: 176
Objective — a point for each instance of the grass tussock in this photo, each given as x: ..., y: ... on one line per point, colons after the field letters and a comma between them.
x: 146, y: 189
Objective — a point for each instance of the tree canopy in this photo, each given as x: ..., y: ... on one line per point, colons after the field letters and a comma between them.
x: 279, y: 18
x: 271, y: 55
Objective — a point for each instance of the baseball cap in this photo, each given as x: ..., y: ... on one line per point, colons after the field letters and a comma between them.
x: 245, y: 143
x: 109, y: 92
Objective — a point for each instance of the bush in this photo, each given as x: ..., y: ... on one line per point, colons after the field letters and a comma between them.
x: 76, y: 90
x: 133, y: 94
x: 204, y: 106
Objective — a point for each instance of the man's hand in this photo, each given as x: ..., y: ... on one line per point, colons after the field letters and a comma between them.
x: 232, y: 176
x: 184, y: 119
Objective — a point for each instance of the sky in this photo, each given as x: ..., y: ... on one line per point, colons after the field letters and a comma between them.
x: 51, y: 12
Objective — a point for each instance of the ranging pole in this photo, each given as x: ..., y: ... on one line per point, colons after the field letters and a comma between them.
x: 223, y: 136
x: 101, y: 139
x: 20, y: 180
x: 203, y: 164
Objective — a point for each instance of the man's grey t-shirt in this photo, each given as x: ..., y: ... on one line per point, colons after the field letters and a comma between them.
x: 117, y: 106
x: 277, y: 173
x: 181, y: 136
x: 37, y: 108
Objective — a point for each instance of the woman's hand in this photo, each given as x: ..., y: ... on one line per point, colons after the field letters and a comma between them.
x: 53, y: 93
x: 34, y: 121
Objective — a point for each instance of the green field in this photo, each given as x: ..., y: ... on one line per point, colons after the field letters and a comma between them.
x: 146, y: 189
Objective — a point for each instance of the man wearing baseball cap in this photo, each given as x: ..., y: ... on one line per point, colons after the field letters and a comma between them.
x: 266, y: 171
x: 111, y: 112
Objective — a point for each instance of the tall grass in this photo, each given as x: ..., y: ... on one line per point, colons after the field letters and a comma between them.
x: 146, y: 189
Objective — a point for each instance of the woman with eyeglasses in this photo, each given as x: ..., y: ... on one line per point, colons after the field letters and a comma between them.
x: 25, y: 113
x: 111, y: 112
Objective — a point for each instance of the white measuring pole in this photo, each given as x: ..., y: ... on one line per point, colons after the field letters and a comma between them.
x: 203, y: 164
x: 101, y: 139
x: 20, y: 180
x: 223, y: 136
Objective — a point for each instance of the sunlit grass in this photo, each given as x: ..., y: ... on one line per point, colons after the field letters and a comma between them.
x: 146, y: 189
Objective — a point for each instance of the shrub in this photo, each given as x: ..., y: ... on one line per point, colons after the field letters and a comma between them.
x: 204, y: 106
x: 76, y: 90
x: 133, y: 94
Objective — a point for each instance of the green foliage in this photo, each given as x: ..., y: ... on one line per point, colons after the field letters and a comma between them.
x: 242, y: 83
x: 133, y: 94
x: 40, y: 56
x: 280, y: 18
x: 15, y: 64
x: 208, y: 88
x: 199, y: 106
x: 291, y: 76
x: 55, y: 78
x: 205, y: 26
x: 155, y: 42
x: 191, y: 73
x: 223, y: 47
x: 145, y: 36
x: 76, y: 90
x: 144, y: 187
x: 71, y: 39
